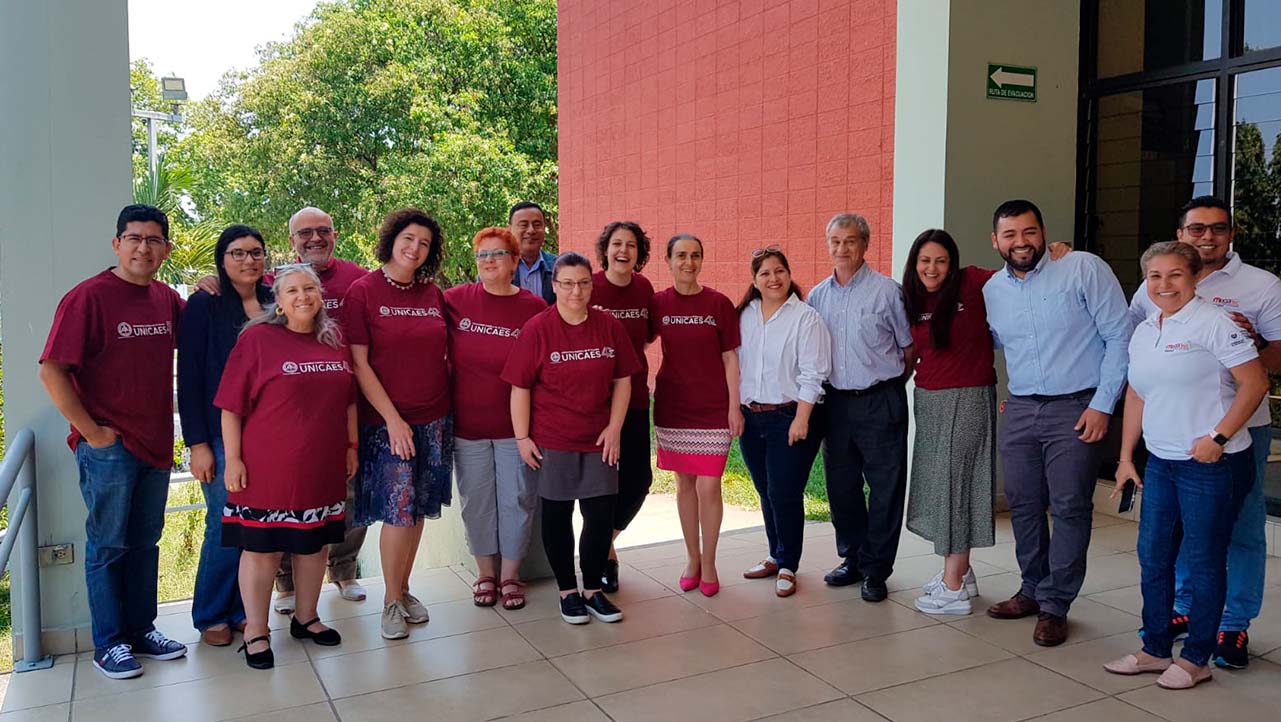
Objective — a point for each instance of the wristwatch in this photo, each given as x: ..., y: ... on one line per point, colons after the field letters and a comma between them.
x: 1261, y: 343
x: 1219, y: 439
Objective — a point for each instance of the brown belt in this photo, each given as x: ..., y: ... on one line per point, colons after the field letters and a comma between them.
x: 761, y: 408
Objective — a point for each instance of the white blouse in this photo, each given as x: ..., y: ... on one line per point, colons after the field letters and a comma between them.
x: 786, y: 358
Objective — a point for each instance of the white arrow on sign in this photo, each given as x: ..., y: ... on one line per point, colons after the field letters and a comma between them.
x: 1002, y: 77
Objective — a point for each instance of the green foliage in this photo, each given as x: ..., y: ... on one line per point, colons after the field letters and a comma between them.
x: 194, y: 240
x: 1257, y: 199
x: 448, y: 105
x: 144, y: 94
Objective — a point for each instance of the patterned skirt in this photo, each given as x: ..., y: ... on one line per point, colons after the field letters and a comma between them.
x: 952, y: 495
x: 297, y: 531
x: 693, y: 451
x: 402, y: 492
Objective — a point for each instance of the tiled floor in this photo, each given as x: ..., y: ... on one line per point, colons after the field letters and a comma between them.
x: 821, y: 655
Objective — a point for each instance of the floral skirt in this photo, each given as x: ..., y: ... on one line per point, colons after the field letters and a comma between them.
x: 701, y: 452
x: 400, y: 492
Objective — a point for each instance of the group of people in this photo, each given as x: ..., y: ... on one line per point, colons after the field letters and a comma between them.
x: 321, y: 398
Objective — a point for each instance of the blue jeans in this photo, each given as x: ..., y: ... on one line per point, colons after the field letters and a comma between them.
x: 126, y: 499
x: 1188, y: 510
x: 1247, y: 552
x: 217, y: 597
x: 780, y: 472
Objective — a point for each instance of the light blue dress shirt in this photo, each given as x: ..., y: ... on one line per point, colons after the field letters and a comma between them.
x: 869, y: 327
x: 1064, y: 327
x: 531, y: 277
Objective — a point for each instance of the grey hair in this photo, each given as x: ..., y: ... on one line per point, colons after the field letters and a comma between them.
x: 1183, y: 250
x: 326, y: 329
x: 858, y: 222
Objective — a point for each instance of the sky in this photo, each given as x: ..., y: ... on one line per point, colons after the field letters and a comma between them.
x: 199, y: 40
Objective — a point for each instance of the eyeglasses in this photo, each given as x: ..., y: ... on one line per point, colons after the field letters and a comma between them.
x: 134, y: 239
x: 307, y: 234
x: 290, y: 268
x: 240, y: 254
x: 499, y: 253
x: 571, y: 285
x: 775, y: 248
x: 1199, y: 229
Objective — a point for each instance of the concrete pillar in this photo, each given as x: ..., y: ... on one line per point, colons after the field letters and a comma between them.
x: 65, y: 151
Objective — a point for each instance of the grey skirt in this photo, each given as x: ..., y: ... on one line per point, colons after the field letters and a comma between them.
x: 953, y: 490
x: 570, y: 475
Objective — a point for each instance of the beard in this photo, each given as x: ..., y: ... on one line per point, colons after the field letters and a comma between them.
x: 1037, y: 254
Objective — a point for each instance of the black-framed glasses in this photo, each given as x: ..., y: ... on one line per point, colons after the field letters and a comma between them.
x: 497, y: 253
x: 134, y: 239
x: 773, y: 248
x: 306, y: 234
x: 240, y: 254
x: 1199, y: 229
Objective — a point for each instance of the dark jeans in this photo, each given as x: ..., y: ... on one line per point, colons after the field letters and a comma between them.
x: 866, y: 439
x: 779, y: 472
x: 635, y: 475
x: 1047, y: 467
x: 593, y: 543
x: 1188, y: 512
x: 217, y: 596
x: 342, y: 557
x: 126, y: 499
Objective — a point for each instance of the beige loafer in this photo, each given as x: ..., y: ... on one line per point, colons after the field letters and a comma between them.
x: 1130, y: 665
x: 763, y: 569
x: 1177, y: 677
x: 785, y: 585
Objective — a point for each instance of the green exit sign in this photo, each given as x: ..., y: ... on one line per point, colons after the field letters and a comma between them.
x: 1011, y: 82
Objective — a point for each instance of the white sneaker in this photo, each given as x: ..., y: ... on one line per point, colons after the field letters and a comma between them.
x: 415, y: 611
x: 968, y: 581
x: 393, y: 622
x: 945, y: 601
x: 284, y: 603
x: 351, y: 591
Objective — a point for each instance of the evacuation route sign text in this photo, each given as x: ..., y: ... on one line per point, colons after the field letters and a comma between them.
x: 1011, y: 82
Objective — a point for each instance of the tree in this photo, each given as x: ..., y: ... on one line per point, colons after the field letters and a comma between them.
x: 447, y: 105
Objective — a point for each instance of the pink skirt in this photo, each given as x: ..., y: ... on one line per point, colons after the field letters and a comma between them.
x: 693, y: 451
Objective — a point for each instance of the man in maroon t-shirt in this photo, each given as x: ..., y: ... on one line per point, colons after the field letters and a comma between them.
x: 108, y: 367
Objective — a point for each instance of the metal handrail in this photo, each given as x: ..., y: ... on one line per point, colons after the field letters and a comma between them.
x: 19, y: 467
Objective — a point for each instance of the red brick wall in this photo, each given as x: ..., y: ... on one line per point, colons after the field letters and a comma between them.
x: 745, y: 122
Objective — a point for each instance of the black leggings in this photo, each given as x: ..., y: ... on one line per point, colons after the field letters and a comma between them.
x: 593, y: 544
x: 635, y: 475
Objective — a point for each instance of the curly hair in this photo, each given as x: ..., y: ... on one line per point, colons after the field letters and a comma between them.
x: 642, y: 243
x: 396, y: 222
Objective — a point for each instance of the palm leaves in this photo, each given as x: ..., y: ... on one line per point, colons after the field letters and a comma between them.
x: 193, y: 238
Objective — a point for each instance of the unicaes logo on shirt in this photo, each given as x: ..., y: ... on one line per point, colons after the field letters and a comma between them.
x: 583, y: 354
x: 386, y: 311
x: 291, y: 368
x: 487, y: 329
x: 138, y: 330
x: 625, y: 313
x: 689, y: 320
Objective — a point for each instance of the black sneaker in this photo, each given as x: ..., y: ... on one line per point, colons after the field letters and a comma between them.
x: 600, y: 607
x: 1233, y: 651
x: 874, y: 590
x: 573, y: 610
x: 609, y: 580
x: 1178, y: 628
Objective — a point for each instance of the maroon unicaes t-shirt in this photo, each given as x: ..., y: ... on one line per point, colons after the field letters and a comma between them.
x: 630, y: 305
x: 690, y: 390
x: 117, y: 338
x: 292, y: 393
x: 570, y: 371
x: 968, y: 359
x: 405, y: 332
x: 483, y: 329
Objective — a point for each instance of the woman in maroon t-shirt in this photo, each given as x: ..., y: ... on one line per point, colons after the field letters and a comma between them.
x: 571, y: 383
x: 696, y: 411
x: 622, y: 249
x: 484, y: 321
x: 395, y: 323
x: 953, y: 482
x: 288, y: 405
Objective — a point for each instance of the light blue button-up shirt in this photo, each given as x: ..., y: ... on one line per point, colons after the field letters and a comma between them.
x: 869, y: 327
x: 530, y: 278
x: 1064, y: 327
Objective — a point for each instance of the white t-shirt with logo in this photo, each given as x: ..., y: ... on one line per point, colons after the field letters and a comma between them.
x: 1240, y: 287
x: 1180, y: 369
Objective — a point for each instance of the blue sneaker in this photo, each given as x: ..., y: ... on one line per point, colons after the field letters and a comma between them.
x: 117, y: 662
x: 154, y: 645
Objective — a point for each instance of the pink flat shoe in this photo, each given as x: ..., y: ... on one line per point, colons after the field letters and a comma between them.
x: 709, y: 589
x: 688, y: 584
x: 1177, y: 677
x: 1129, y: 665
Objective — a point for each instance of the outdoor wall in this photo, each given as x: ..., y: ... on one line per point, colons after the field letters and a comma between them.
x: 747, y: 123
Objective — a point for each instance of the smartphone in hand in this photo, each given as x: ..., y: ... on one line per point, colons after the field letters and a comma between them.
x: 1127, y: 498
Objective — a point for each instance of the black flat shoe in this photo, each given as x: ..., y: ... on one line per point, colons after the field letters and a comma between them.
x: 843, y: 576
x: 327, y: 638
x: 874, y: 590
x: 258, y: 660
x: 609, y: 580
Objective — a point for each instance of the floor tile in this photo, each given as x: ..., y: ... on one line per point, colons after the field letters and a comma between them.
x: 1113, y: 571
x: 1087, y: 620
x: 841, y: 710
x: 48, y: 713
x: 581, y: 711
x: 478, y: 696
x: 870, y: 664
x: 1127, y: 599
x: 665, y: 615
x: 1013, y: 689
x: 42, y: 686
x: 201, y: 662
x: 1001, y: 555
x: 801, y: 629
x: 661, y: 659
x: 542, y: 601
x: 729, y: 565
x: 1104, y: 709
x: 378, y: 669
x: 1252, y: 694
x: 1084, y: 662
x: 319, y: 712
x: 1121, y: 537
x: 741, y: 693
x: 447, y: 618
x: 756, y: 597
x: 229, y: 696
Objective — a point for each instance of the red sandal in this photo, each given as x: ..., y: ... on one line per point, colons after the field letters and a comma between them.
x: 484, y: 597
x: 513, y: 600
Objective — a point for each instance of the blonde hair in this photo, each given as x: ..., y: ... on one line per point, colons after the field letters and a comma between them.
x: 325, y: 329
x: 1172, y: 248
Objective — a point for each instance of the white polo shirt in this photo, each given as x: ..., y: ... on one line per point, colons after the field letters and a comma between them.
x: 1180, y: 369
x: 1240, y: 287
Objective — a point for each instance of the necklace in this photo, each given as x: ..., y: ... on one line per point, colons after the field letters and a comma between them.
x: 402, y: 286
